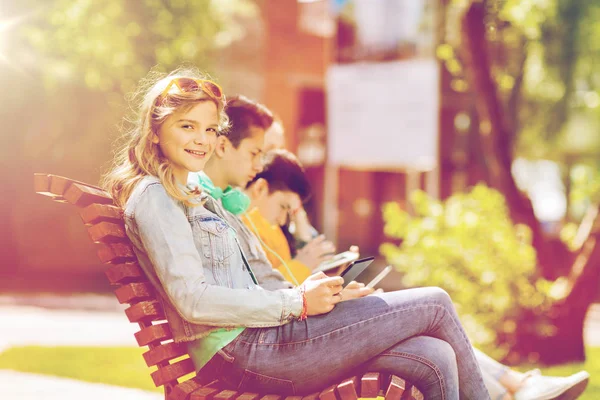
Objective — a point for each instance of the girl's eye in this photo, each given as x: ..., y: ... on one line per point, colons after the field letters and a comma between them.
x: 213, y: 130
x: 187, y: 127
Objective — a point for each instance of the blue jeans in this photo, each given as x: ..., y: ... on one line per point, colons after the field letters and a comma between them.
x: 413, y: 333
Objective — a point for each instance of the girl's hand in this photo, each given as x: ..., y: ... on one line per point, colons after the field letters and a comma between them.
x: 321, y: 293
x: 315, y: 252
x: 355, y: 290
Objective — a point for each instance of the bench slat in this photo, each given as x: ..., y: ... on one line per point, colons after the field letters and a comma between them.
x: 164, y: 352
x: 41, y: 184
x: 349, y: 389
x: 125, y: 273
x: 328, y: 394
x: 412, y: 393
x: 135, y: 292
x: 108, y: 232
x: 153, y: 334
x: 313, y: 396
x: 183, y: 390
x: 116, y: 253
x: 226, y: 395
x: 59, y: 185
x: 95, y: 213
x: 271, y: 397
x: 370, y: 384
x: 82, y: 196
x: 395, y: 389
x: 145, y: 311
x: 249, y: 396
x: 170, y: 373
x: 205, y: 393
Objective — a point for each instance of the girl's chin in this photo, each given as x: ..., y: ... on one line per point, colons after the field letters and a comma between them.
x: 197, y: 167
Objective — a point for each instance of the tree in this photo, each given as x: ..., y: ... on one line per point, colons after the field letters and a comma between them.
x: 66, y: 67
x: 557, y: 36
x: 109, y: 45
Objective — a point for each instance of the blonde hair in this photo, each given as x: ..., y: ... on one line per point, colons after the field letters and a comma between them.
x: 139, y: 156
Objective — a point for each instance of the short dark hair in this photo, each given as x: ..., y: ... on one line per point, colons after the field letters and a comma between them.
x: 244, y: 114
x: 283, y: 172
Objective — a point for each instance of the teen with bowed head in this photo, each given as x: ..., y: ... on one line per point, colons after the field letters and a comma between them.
x: 254, y: 339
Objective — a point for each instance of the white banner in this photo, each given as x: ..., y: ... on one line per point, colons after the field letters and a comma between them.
x: 383, y: 116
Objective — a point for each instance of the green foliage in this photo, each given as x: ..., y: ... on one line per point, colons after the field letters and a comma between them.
x: 559, y: 99
x: 109, y: 45
x: 468, y: 246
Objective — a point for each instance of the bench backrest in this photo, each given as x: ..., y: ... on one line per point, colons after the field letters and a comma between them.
x: 105, y: 227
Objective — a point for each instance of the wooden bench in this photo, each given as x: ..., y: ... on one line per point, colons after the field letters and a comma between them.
x: 105, y: 226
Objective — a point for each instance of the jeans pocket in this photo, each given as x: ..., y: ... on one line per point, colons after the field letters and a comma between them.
x: 260, y: 383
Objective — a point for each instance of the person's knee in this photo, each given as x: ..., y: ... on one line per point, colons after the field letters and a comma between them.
x: 435, y: 355
x: 440, y: 296
x: 442, y: 355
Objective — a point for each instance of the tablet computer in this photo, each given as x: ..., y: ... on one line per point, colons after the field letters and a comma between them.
x: 355, y: 269
x: 336, y: 261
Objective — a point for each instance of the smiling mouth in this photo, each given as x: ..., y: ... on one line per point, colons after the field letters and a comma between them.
x: 196, y: 153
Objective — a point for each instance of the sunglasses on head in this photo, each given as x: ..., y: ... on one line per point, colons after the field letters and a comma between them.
x: 193, y: 85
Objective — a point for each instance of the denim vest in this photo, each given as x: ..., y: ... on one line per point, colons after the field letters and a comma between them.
x: 193, y: 259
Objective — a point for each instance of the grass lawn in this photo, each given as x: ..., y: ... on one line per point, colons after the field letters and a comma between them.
x: 124, y: 366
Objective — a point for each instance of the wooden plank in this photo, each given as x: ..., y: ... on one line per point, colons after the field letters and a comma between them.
x: 226, y: 395
x: 164, y: 352
x: 205, y: 393
x: 116, y: 253
x: 328, y: 394
x: 145, y: 311
x: 249, y: 396
x: 125, y: 273
x: 153, y: 334
x: 183, y: 390
x: 370, y: 385
x: 171, y: 372
x: 59, y: 184
x: 83, y: 195
x: 107, y: 232
x: 135, y: 292
x: 412, y: 393
x: 396, y: 388
x: 41, y: 184
x: 95, y: 213
x: 271, y: 397
x: 293, y: 398
x: 349, y: 389
x: 313, y: 396
x: 71, y: 181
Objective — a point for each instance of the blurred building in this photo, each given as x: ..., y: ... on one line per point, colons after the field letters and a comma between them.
x: 304, y: 40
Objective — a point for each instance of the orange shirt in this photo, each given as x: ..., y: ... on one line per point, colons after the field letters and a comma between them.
x: 275, y: 244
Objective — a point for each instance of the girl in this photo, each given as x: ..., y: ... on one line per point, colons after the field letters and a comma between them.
x: 272, y: 341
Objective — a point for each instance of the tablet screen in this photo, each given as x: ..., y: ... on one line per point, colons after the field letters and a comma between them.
x: 355, y: 269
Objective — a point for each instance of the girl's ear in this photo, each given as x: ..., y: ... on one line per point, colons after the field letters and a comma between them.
x: 155, y: 139
x: 222, y: 145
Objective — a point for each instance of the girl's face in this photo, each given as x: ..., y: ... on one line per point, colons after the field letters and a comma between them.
x: 188, y: 139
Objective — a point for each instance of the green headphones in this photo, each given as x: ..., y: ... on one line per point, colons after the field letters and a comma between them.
x: 234, y: 200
